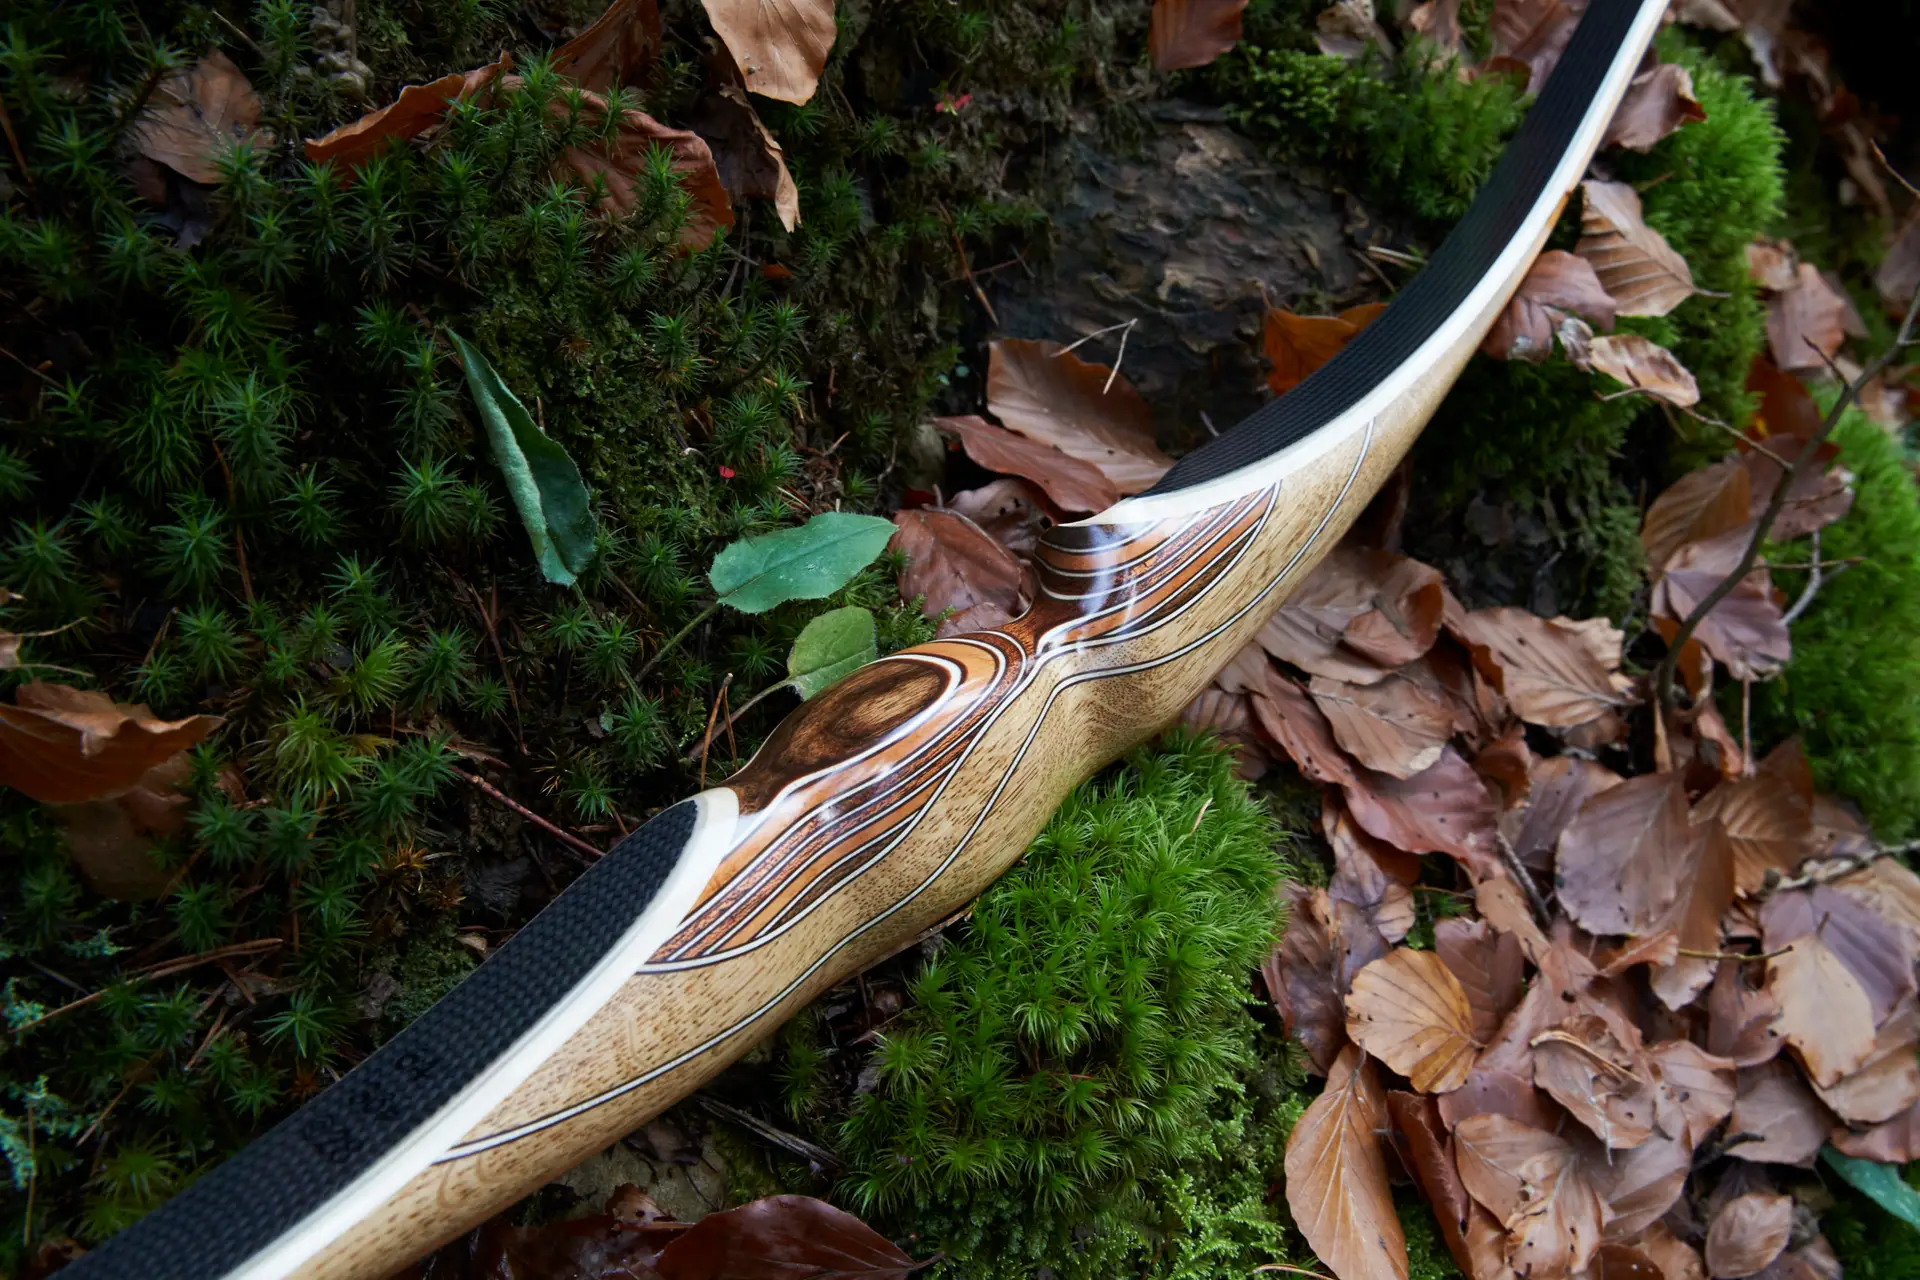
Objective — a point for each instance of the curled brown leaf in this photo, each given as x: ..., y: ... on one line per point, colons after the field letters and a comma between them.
x: 1747, y: 1234
x: 62, y: 745
x: 1072, y: 483
x: 1558, y: 284
x: 1297, y: 345
x: 1191, y: 33
x: 418, y: 107
x: 1635, y: 263
x: 1407, y: 1009
x: 1336, y: 1171
x: 1051, y: 395
x: 953, y: 564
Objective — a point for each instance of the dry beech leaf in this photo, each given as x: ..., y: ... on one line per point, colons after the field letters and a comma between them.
x: 1807, y: 323
x: 1439, y: 22
x: 1646, y: 1182
x: 1290, y: 718
x: 1445, y: 808
x: 1889, y: 1083
x: 618, y: 165
x: 1559, y: 787
x: 748, y: 158
x: 1191, y: 33
x: 1532, y: 34
x: 1890, y: 889
x: 1011, y: 512
x: 1508, y: 762
x: 1699, y: 1083
x: 110, y: 841
x: 1747, y: 1234
x: 1771, y: 264
x: 1814, y: 1260
x: 1229, y: 717
x: 1740, y: 1019
x: 954, y: 564
x: 1657, y: 103
x: 1824, y: 1012
x: 780, y: 46
x: 1616, y: 870
x: 194, y: 115
x: 1407, y: 1009
x: 1895, y: 1142
x: 1501, y: 1082
x: 1359, y: 614
x: 1336, y: 1171
x: 1646, y: 366
x: 1427, y: 1152
x: 1624, y: 1262
x: 1819, y: 496
x: 1300, y: 977
x: 1359, y: 876
x: 418, y: 107
x: 1745, y: 630
x: 1053, y: 396
x: 1877, y: 954
x: 1346, y: 28
x: 1539, y: 1187
x: 1557, y: 285
x: 1073, y: 484
x: 1768, y: 817
x: 1489, y: 965
x: 1585, y: 1068
x: 1295, y: 346
x: 1545, y: 669
x: 1898, y: 275
x: 617, y: 50
x: 1701, y: 504
x: 62, y: 745
x: 1707, y: 886
x: 1394, y: 726
x: 1502, y: 905
x: 1635, y: 263
x: 782, y: 1236
x: 1676, y: 1259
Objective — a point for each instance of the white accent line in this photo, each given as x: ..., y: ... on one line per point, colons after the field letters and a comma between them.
x: 716, y: 814
x: 1506, y: 268
x: 628, y: 1086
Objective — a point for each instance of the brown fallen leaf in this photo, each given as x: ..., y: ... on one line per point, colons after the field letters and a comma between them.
x: 1740, y: 1018
x: 1557, y: 285
x: 1192, y: 33
x: 1820, y: 494
x: 618, y: 163
x: 1053, y: 396
x: 1394, y: 726
x: 1658, y: 102
x: 1616, y: 870
x: 1892, y: 890
x: 1768, y: 817
x: 1336, y: 1177
x: 1545, y: 668
x: 1698, y: 1083
x: 1292, y: 722
x: 1503, y: 905
x: 1877, y: 954
x: 1747, y: 1234
x: 1326, y: 943
x: 1445, y: 808
x: 1643, y: 1185
x: 1537, y: 1184
x: 1297, y: 345
x: 1895, y: 1142
x: 1898, y: 275
x: 1073, y: 484
x: 418, y: 107
x: 1560, y: 785
x: 1489, y: 965
x: 1676, y: 1259
x: 617, y: 50
x: 1824, y: 1012
x: 1813, y: 1260
x: 1347, y: 29
x: 195, y: 115
x: 1585, y: 1068
x: 953, y: 564
x: 1532, y: 34
x: 782, y: 1236
x: 1427, y: 1151
x: 1807, y: 323
x: 1439, y: 22
x: 746, y: 155
x: 1360, y: 613
x: 1507, y: 762
x: 1635, y: 362
x: 780, y: 46
x: 1229, y: 717
x: 1011, y: 512
x: 1407, y: 1009
x: 1634, y: 262
x: 1624, y: 1262
x: 1704, y: 503
x: 62, y: 745
x: 1707, y: 888
x: 1359, y: 876
x: 1889, y: 1082
x: 110, y: 842
x: 1745, y: 630
x: 1771, y: 264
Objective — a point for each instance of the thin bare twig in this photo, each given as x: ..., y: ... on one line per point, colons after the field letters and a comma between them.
x: 712, y: 716
x: 1664, y: 673
x: 571, y: 840
x: 790, y: 1143
x: 1542, y: 914
x: 1745, y: 440
x: 1898, y: 176
x: 1815, y: 871
x: 1077, y: 343
x: 163, y: 969
x: 1817, y: 576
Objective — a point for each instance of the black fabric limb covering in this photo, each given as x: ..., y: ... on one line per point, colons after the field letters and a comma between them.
x: 244, y: 1205
x: 1438, y: 291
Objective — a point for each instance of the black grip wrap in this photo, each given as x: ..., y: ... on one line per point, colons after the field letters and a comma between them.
x: 1433, y: 296
x: 241, y: 1207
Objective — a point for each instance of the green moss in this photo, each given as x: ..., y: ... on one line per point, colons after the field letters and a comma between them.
x: 1852, y: 690
x: 431, y: 964
x: 1071, y: 1080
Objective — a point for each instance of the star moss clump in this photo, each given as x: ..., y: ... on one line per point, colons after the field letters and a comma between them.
x: 1077, y: 1081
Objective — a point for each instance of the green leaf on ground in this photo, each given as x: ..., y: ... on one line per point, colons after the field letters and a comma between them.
x: 1880, y: 1183
x: 834, y: 645
x: 806, y: 563
x: 546, y: 486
